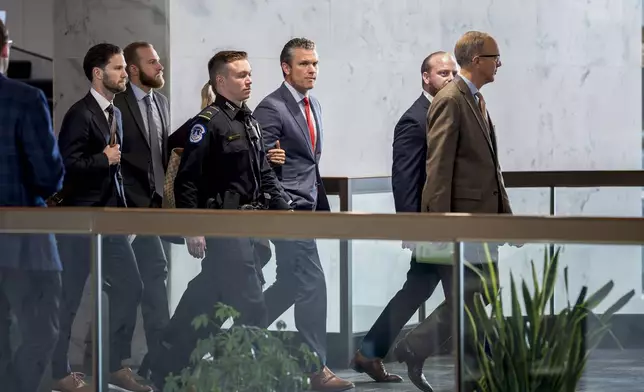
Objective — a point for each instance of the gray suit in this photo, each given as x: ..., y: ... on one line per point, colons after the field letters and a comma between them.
x: 300, y: 278
x: 281, y: 119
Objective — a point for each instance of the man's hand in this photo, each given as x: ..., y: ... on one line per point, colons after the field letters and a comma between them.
x: 196, y: 247
x: 113, y: 154
x: 276, y: 155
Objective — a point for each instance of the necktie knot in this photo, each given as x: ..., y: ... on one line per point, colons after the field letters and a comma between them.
x: 110, y: 109
x: 306, y: 101
x: 147, y: 99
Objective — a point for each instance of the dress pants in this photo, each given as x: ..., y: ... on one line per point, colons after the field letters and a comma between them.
x: 230, y: 275
x: 300, y: 281
x: 153, y: 267
x: 34, y: 298
x: 439, y: 323
x: 422, y: 280
x: 123, y: 286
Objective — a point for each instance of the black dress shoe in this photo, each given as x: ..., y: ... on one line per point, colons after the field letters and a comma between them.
x: 403, y: 353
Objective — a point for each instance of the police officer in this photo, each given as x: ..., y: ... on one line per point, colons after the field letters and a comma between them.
x: 223, y: 167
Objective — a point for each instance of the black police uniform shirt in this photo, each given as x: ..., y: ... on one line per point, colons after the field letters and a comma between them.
x: 225, y: 152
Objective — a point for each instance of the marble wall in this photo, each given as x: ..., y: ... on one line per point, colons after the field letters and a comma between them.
x: 80, y: 24
x: 30, y: 24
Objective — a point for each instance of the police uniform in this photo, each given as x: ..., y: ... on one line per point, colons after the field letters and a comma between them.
x: 223, y: 166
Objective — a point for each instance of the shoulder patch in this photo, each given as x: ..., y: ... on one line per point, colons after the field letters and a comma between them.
x: 196, y: 133
x: 208, y: 112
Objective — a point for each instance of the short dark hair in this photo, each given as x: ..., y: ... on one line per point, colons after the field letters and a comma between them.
x: 287, y: 52
x: 469, y: 46
x: 131, y: 54
x: 218, y: 62
x: 98, y: 56
x: 4, y: 35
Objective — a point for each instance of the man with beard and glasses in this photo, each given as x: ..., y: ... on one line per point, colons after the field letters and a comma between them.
x: 408, y: 177
x: 145, y: 113
x: 89, y: 141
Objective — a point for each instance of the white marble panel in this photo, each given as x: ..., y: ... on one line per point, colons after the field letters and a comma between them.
x: 80, y: 24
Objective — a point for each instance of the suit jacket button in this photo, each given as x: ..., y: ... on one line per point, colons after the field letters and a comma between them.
x: 495, y: 193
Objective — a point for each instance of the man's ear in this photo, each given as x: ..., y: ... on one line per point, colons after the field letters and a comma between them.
x: 286, y: 69
x: 5, y: 51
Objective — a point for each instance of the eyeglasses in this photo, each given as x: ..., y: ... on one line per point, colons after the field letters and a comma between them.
x: 496, y: 57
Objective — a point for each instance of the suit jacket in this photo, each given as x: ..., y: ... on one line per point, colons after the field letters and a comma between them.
x: 409, y: 152
x: 31, y: 169
x: 84, y: 134
x: 136, y: 158
x: 463, y: 171
x: 281, y: 118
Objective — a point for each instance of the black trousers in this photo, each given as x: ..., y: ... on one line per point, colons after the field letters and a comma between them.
x: 34, y: 298
x: 422, y: 280
x: 300, y: 281
x: 153, y: 267
x: 123, y: 286
x: 229, y: 274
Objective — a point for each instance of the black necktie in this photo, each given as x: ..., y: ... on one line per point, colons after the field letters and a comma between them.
x: 155, y: 148
x: 110, y: 124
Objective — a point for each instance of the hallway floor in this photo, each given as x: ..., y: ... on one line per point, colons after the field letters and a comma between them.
x: 608, y: 371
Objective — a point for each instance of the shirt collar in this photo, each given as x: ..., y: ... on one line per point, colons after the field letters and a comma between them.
x: 298, y: 96
x: 471, y: 85
x: 103, y: 103
x: 227, y: 106
x: 140, y: 94
x: 427, y: 95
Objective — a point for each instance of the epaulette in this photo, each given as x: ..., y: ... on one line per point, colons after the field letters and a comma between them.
x: 208, y: 112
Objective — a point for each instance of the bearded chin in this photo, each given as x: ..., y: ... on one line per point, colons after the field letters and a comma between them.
x: 114, y: 88
x: 151, y: 81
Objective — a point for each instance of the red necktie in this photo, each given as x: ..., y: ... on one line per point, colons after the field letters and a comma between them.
x: 309, y: 121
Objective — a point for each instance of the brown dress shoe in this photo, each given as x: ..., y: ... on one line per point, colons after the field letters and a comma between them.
x: 374, y: 368
x: 326, y: 381
x: 74, y: 382
x: 123, y: 380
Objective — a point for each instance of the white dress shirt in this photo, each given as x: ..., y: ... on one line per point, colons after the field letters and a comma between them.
x: 102, y: 102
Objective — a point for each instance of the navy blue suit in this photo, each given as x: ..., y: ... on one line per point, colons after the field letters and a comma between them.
x: 408, y: 178
x: 31, y: 169
x: 409, y: 152
x: 300, y: 279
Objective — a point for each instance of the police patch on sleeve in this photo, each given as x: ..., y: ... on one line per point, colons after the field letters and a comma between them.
x: 196, y: 133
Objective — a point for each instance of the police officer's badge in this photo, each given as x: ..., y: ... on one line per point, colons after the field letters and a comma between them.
x: 196, y: 133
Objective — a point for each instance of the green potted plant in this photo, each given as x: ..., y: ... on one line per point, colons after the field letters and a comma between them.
x: 537, y: 352
x: 244, y: 359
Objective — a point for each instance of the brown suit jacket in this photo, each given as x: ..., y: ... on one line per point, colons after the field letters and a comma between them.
x: 463, y: 172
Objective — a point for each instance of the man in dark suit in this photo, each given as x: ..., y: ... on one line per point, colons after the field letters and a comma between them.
x: 291, y: 122
x: 31, y: 169
x: 145, y: 113
x: 89, y: 141
x: 463, y: 175
x: 407, y: 178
